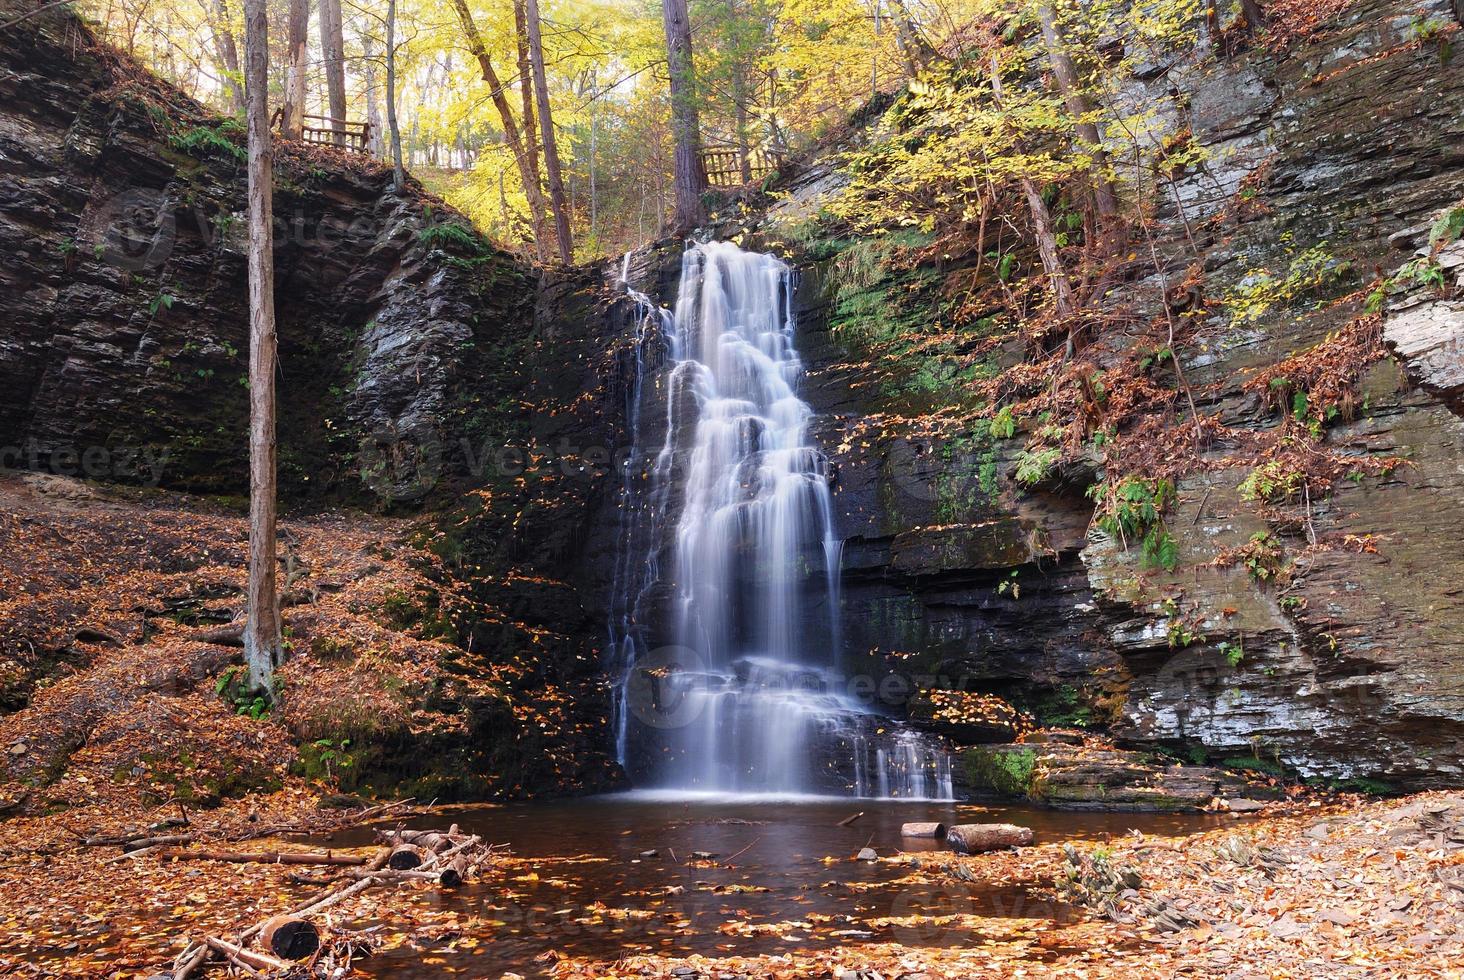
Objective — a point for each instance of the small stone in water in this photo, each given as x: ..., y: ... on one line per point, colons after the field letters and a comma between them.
x: 702, y: 855
x: 647, y: 855
x: 867, y: 854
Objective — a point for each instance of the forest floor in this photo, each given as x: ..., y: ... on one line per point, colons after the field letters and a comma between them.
x: 1325, y: 890
x: 116, y: 722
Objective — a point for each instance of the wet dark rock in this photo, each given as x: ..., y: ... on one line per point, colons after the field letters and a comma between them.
x: 1352, y: 674
x: 123, y: 331
x: 1088, y: 778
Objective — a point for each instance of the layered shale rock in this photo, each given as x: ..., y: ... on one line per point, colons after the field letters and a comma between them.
x: 1318, y: 634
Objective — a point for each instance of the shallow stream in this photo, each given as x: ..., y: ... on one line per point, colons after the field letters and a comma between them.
x: 783, y: 879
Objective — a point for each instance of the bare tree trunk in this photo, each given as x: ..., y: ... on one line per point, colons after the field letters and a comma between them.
x: 594, y: 153
x: 263, y: 649
x: 374, y: 144
x: 399, y: 178
x: 221, y: 26
x: 531, y: 124
x: 914, y: 48
x: 1255, y: 17
x: 333, y: 49
x: 528, y: 171
x: 739, y: 101
x: 1062, y: 290
x: 547, y: 138
x: 293, y: 119
x: 690, y: 169
x: 1105, y: 197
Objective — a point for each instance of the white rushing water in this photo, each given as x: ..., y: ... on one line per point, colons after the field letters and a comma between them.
x: 729, y: 560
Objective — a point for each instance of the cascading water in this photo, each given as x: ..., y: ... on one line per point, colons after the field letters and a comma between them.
x: 729, y: 558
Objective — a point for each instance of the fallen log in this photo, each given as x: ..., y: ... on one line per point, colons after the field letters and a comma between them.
x: 974, y: 838
x: 451, y: 865
x: 225, y: 636
x: 429, y: 840
x: 936, y: 830
x: 454, y: 872
x: 238, y: 955
x: 138, y: 843
x: 405, y: 857
x: 266, y: 857
x: 193, y: 957
x: 849, y: 820
x: 290, y: 937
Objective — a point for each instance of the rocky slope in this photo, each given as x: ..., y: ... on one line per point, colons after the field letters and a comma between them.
x: 123, y: 334
x: 423, y: 373
x: 1326, y: 647
x: 1346, y: 664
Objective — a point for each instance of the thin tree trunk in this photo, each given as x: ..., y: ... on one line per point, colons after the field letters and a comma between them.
x: 221, y: 26
x: 373, y: 104
x: 1062, y: 290
x: 1105, y: 197
x: 547, y: 138
x: 739, y: 101
x: 531, y: 123
x: 914, y: 48
x: 690, y: 169
x: 1255, y: 17
x: 333, y: 48
x: 262, y: 642
x: 399, y: 178
x: 594, y: 152
x: 528, y: 171
x: 293, y: 119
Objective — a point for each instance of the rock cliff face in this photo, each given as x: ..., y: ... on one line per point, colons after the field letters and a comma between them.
x: 421, y: 366
x: 1349, y: 143
x: 422, y: 372
x: 123, y: 331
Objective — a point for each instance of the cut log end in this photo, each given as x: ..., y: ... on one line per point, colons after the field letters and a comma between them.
x: 290, y: 937
x: 406, y: 857
x: 454, y: 873
x: 974, y: 838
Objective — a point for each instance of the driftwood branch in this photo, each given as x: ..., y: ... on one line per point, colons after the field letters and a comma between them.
x: 444, y: 858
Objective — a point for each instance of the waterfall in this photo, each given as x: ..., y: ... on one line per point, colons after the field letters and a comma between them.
x: 728, y: 557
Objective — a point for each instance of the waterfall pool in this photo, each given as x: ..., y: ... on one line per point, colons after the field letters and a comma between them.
x: 783, y: 879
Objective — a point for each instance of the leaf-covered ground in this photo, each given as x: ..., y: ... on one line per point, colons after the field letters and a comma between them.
x: 1335, y: 890
x: 116, y: 609
x: 120, y: 660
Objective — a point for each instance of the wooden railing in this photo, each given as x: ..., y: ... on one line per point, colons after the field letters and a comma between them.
x: 357, y: 135
x: 724, y: 164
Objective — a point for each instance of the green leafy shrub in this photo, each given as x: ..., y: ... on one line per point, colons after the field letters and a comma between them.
x: 1036, y: 465
x: 1263, y: 556
x: 233, y: 686
x: 1272, y: 482
x: 202, y: 141
x: 1132, y: 510
x: 1003, y: 424
x: 1309, y: 273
